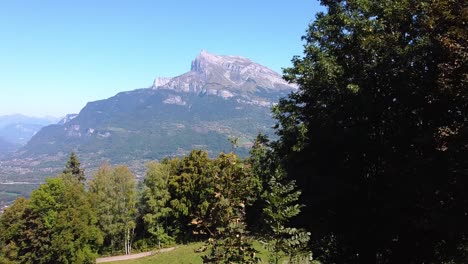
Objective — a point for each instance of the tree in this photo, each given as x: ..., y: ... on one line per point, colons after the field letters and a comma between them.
x: 278, y: 205
x: 75, y: 237
x: 125, y: 191
x: 376, y: 134
x: 155, y: 198
x: 57, y: 225
x: 103, y: 198
x: 281, y: 206
x: 113, y: 192
x: 234, y: 189
x: 234, y: 142
x: 191, y: 189
x: 12, y: 224
x: 73, y: 167
x: 231, y: 243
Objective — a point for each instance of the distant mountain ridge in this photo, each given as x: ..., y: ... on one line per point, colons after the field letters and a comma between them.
x: 6, y: 147
x: 24, y: 119
x: 220, y: 97
x: 17, y: 129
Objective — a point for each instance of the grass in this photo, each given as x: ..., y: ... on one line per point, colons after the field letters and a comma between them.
x: 185, y: 254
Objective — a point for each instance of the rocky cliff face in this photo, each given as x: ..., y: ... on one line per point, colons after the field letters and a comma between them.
x: 225, y: 76
x: 67, y: 119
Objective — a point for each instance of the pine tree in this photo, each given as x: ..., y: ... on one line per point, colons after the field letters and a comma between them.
x: 73, y: 167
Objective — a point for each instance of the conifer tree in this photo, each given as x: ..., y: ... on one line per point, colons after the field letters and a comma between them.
x: 73, y: 167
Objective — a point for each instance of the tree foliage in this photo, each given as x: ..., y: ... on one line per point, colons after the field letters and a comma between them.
x: 278, y: 202
x: 56, y: 226
x: 231, y: 243
x: 155, y: 198
x: 73, y: 167
x: 376, y: 135
x: 191, y: 190
x: 234, y: 189
x: 113, y: 192
x: 182, y: 199
x: 12, y: 224
x: 281, y: 206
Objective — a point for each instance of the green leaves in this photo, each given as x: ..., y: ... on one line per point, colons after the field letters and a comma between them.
x: 281, y: 206
x: 155, y: 201
x: 57, y: 225
x: 378, y: 124
x: 113, y: 192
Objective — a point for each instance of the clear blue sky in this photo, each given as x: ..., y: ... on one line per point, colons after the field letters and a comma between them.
x: 56, y: 55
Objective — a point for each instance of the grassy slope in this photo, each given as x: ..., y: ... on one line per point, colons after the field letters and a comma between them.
x: 184, y: 254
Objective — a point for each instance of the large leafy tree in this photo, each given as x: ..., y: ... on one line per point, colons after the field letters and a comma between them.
x: 234, y: 186
x: 103, y: 198
x: 113, y: 192
x: 125, y: 201
x: 155, y: 198
x: 57, y: 225
x: 376, y: 134
x: 191, y: 188
x: 12, y: 224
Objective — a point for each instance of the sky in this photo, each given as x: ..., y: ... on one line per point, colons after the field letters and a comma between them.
x: 56, y: 55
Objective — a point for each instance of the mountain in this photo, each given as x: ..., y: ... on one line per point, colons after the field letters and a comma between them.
x: 225, y: 76
x: 18, y: 129
x: 6, y: 147
x: 219, y: 98
x: 6, y: 120
x: 19, y: 133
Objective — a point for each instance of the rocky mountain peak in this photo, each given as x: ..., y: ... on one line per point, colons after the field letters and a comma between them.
x: 161, y: 81
x: 67, y: 119
x: 204, y: 61
x: 225, y: 76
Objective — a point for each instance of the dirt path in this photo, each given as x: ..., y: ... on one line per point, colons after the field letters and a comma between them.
x: 133, y: 256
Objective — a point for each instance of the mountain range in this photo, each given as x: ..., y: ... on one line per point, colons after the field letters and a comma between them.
x: 16, y: 130
x: 221, y: 97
